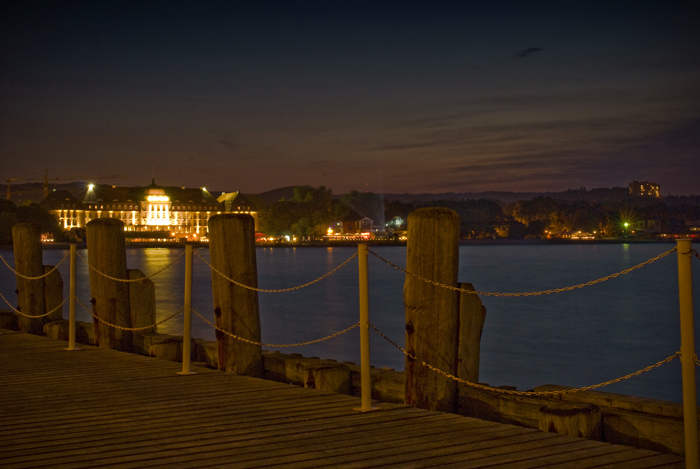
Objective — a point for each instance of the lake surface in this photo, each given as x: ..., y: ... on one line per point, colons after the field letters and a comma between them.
x: 575, y: 338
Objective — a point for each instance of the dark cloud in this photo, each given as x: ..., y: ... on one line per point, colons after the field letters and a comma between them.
x: 228, y: 144
x: 602, y: 160
x: 529, y: 51
x: 437, y: 121
x: 406, y: 146
x: 399, y: 99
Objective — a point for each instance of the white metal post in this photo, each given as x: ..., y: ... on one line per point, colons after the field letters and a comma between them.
x: 365, y: 379
x: 690, y: 408
x: 71, y: 301
x: 187, y: 319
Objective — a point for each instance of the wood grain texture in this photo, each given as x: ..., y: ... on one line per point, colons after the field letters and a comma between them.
x: 472, y: 315
x: 432, y: 312
x: 98, y: 407
x: 142, y: 301
x: 107, y: 255
x: 53, y: 293
x: 232, y: 250
x: 26, y: 241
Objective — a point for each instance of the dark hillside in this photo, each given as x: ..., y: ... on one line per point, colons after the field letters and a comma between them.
x: 275, y: 195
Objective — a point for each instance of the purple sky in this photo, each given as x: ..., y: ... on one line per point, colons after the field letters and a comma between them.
x: 393, y: 97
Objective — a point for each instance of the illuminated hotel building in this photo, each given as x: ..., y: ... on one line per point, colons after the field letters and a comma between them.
x: 183, y: 212
x: 645, y: 189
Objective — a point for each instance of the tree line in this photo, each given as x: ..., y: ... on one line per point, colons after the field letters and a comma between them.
x: 11, y: 214
x: 310, y: 212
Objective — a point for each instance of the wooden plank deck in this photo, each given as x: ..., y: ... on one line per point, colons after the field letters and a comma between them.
x: 101, y: 408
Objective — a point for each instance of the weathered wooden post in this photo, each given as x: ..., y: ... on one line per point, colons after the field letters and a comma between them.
x: 142, y: 301
x: 232, y: 250
x: 472, y: 315
x: 110, y: 297
x: 432, y: 312
x: 26, y: 242
x: 53, y: 293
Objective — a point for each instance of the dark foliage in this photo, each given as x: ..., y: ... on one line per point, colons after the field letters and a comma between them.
x: 10, y: 214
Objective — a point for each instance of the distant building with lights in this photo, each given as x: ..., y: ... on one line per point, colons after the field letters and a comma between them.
x: 353, y: 227
x: 181, y: 212
x: 644, y: 189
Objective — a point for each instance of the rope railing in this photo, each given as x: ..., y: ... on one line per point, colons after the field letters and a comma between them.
x: 523, y: 393
x: 15, y: 310
x: 336, y: 334
x: 263, y: 344
x: 284, y: 290
x: 128, y: 280
x: 535, y: 293
x: 132, y: 329
x: 684, y: 353
x: 33, y: 278
x: 365, y: 325
x: 281, y: 290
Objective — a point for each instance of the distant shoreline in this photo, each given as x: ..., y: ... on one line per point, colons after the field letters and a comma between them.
x: 565, y: 241
x: 463, y: 242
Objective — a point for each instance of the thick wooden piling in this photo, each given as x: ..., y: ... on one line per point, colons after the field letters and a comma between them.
x: 232, y: 250
x: 432, y: 312
x: 472, y: 315
x: 142, y: 301
x: 26, y: 242
x: 110, y: 297
x: 53, y: 293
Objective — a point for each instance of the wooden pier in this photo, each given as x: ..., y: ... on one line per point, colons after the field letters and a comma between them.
x: 102, y: 408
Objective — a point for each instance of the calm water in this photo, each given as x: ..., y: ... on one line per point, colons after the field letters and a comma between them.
x: 575, y: 338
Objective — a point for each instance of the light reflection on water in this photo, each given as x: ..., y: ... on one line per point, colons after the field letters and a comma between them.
x: 574, y: 338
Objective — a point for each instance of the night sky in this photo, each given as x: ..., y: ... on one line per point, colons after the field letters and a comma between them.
x: 379, y: 96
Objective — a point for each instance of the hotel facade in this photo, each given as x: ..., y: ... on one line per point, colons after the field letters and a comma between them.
x: 182, y: 213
